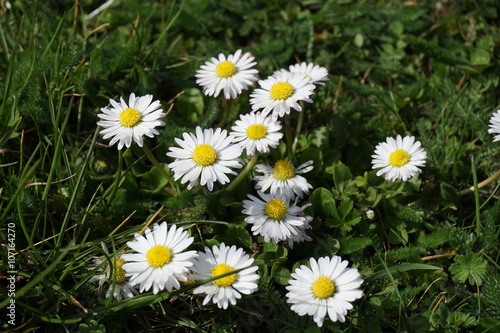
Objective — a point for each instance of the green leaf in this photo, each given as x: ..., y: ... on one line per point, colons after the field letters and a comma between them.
x: 155, y: 180
x: 344, y: 216
x: 487, y: 43
x: 238, y: 235
x: 469, y: 267
x: 280, y: 274
x: 341, y: 173
x: 191, y: 102
x: 448, y: 192
x: 270, y: 247
x: 327, y: 247
x: 10, y: 133
x: 323, y: 202
x: 480, y: 57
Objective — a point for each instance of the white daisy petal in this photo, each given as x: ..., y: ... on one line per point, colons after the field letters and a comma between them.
x: 284, y: 177
x: 205, y: 157
x: 123, y: 122
x: 162, y: 260
x: 279, y: 93
x: 399, y: 159
x: 221, y: 260
x: 494, y: 126
x: 315, y: 74
x: 256, y: 133
x: 315, y: 291
x: 276, y: 219
x: 231, y: 76
x: 113, y: 274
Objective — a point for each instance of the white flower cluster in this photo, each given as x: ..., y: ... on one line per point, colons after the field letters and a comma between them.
x: 160, y: 261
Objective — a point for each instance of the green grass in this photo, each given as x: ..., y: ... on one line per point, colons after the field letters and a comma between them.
x: 429, y: 257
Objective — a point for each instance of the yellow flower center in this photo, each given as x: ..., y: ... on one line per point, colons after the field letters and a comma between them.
x: 323, y: 287
x: 204, y: 154
x: 222, y: 269
x: 158, y: 256
x: 225, y: 69
x: 399, y: 158
x: 275, y: 209
x: 129, y: 117
x: 120, y: 277
x: 281, y: 90
x: 283, y: 170
x: 256, y: 131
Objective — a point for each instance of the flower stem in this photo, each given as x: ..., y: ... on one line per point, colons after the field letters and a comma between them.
x: 173, y: 190
x: 481, y: 184
x: 244, y: 173
x: 289, y: 136
x: 118, y: 177
x: 300, y: 121
x: 226, y: 106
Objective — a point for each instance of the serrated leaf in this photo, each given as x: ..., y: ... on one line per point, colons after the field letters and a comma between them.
x: 352, y: 245
x: 341, y: 173
x: 322, y: 202
x: 469, y: 267
x: 345, y: 208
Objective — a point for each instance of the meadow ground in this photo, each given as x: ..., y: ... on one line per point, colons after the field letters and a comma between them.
x: 418, y: 225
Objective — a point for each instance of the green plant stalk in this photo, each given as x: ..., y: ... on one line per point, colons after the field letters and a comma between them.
x: 396, y: 290
x: 29, y: 238
x: 118, y: 177
x: 72, y: 201
x: 476, y: 197
x: 163, y: 34
x: 90, y: 207
x: 298, y: 128
x: 174, y: 190
x: 226, y: 106
x: 69, y: 265
x: 289, y: 136
x: 244, y: 173
x: 59, y: 145
x: 482, y: 184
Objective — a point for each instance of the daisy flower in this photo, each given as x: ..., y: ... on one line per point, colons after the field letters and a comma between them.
x: 315, y: 73
x: 328, y: 286
x: 207, y: 155
x: 112, y: 273
x: 232, y: 75
x: 284, y: 177
x: 494, y: 127
x: 280, y: 93
x: 301, y: 235
x: 274, y: 217
x: 159, y: 261
x: 399, y: 159
x: 124, y: 122
x: 256, y: 132
x: 221, y: 260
